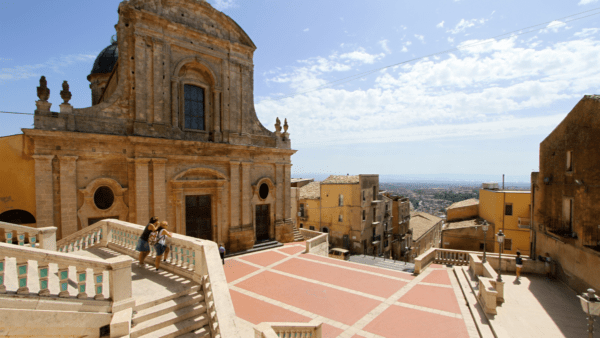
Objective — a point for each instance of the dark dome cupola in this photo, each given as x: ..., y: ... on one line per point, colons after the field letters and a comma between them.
x: 103, y: 67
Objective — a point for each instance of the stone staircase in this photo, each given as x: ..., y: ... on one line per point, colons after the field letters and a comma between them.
x: 183, y: 314
x: 383, y: 263
x: 297, y: 236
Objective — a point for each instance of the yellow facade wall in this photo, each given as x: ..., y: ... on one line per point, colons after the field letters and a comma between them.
x: 17, y: 175
x: 491, y: 208
x: 462, y: 213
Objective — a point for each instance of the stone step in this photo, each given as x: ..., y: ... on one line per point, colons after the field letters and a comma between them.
x: 168, y: 306
x: 256, y: 248
x: 171, y: 318
x: 203, y: 332
x: 154, y: 302
x: 481, y: 322
x: 183, y: 329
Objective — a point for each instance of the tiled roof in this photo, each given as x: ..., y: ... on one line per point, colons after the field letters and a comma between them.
x: 342, y: 179
x: 311, y: 191
x: 595, y: 97
x: 469, y: 223
x: 465, y: 203
x: 421, y: 222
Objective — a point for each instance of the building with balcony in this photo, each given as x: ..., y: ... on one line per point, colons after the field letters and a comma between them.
x: 400, y: 230
x: 566, y: 197
x: 426, y: 232
x: 351, y: 209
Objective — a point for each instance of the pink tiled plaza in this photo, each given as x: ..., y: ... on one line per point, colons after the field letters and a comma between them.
x: 351, y: 299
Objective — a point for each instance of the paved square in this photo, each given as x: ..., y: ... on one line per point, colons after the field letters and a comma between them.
x: 351, y: 299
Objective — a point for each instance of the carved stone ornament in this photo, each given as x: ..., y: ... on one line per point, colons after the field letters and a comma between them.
x: 65, y: 94
x: 277, y: 125
x: 285, y: 126
x: 43, y: 92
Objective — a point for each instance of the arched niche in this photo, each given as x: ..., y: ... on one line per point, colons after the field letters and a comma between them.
x: 17, y: 216
x: 199, y: 181
x: 96, y: 200
x: 258, y: 204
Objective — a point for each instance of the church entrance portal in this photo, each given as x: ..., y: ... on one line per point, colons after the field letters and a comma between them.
x: 198, y: 217
x: 263, y: 221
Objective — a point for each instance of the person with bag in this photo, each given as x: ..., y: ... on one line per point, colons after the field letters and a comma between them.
x: 143, y: 246
x: 161, y: 240
x: 519, y: 263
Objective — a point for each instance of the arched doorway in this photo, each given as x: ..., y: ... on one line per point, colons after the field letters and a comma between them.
x: 17, y: 216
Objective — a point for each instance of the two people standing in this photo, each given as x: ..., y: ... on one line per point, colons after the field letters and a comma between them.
x: 160, y: 236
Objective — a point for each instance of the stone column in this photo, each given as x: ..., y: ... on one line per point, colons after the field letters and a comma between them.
x: 44, y: 199
x: 178, y: 195
x: 175, y: 103
x: 217, y: 115
x: 142, y: 198
x: 287, y: 186
x: 160, y: 191
x: 68, y: 194
x: 234, y: 193
x: 246, y: 189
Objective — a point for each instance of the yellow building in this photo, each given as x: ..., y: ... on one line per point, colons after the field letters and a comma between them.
x: 351, y: 209
x: 509, y: 211
x: 17, y: 186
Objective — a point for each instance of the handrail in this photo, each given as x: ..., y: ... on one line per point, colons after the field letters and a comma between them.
x: 318, y: 245
x: 309, y: 233
x: 313, y: 329
x: 63, y: 242
x: 46, y: 237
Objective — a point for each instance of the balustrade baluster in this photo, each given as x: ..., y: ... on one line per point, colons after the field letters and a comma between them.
x: 188, y: 257
x: 81, y: 282
x: 21, y: 238
x: 98, y: 235
x: 2, y: 286
x: 43, y: 273
x: 9, y: 237
x: 22, y: 276
x: 63, y: 276
x: 32, y: 240
x: 98, y: 281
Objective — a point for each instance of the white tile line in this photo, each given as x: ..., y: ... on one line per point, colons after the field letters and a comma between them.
x: 430, y: 310
x: 358, y: 270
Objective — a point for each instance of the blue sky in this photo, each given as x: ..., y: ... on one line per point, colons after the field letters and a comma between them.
x: 482, y: 108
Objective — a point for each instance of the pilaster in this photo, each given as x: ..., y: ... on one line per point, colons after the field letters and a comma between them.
x: 279, y: 195
x: 142, y: 200
x: 44, y: 199
x: 287, y: 187
x: 234, y: 193
x: 246, y: 189
x: 160, y: 190
x: 68, y: 194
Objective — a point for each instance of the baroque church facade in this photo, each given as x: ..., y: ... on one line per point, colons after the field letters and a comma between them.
x: 172, y: 132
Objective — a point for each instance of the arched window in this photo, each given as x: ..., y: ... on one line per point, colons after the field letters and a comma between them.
x: 17, y: 216
x: 194, y: 107
x: 325, y: 230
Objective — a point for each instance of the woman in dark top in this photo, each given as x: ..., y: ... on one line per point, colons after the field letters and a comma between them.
x: 519, y: 264
x: 142, y: 246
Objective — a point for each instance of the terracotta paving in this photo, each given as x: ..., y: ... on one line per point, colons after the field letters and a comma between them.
x: 352, y: 300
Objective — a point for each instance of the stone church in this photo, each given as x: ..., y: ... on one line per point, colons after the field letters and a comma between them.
x: 172, y: 132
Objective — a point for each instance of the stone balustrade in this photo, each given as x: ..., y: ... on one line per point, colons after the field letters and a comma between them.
x: 313, y: 329
x: 308, y: 234
x: 44, y: 238
x: 441, y: 256
x: 52, y: 270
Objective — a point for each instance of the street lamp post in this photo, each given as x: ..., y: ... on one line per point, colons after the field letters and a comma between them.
x: 590, y: 305
x: 484, y: 226
x: 500, y: 241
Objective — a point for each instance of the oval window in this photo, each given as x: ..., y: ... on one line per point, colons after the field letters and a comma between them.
x: 263, y: 191
x: 104, y: 198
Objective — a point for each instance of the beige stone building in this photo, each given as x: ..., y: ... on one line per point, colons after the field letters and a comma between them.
x: 426, y: 232
x: 351, y: 209
x: 400, y: 232
x: 172, y: 132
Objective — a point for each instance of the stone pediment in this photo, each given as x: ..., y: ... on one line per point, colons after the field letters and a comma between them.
x: 199, y: 175
x: 196, y: 14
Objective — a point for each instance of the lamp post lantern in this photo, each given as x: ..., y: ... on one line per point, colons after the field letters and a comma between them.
x: 590, y: 303
x: 500, y: 241
x: 484, y: 226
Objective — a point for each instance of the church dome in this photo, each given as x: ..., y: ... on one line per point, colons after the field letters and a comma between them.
x: 106, y: 60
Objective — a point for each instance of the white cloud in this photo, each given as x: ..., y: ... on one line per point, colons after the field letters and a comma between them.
x: 554, y: 26
x: 450, y: 39
x: 223, y: 4
x: 404, y: 49
x: 306, y: 29
x: 420, y: 37
x: 55, y: 64
x: 440, y: 25
x: 464, y: 24
x: 490, y: 89
x: 587, y: 32
x: 585, y: 2
x: 384, y: 45
x: 361, y: 55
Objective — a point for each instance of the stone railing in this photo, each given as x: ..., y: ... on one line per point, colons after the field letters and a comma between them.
x: 441, y: 256
x: 318, y: 245
x: 308, y: 234
x: 82, y: 239
x: 48, y: 272
x: 289, y: 330
x: 14, y: 233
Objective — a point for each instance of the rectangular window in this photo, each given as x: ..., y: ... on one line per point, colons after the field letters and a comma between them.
x: 374, y: 215
x: 363, y: 195
x: 341, y: 218
x: 301, y: 209
x: 507, y: 244
x: 569, y: 160
x: 508, y: 209
x: 311, y: 228
x: 194, y: 107
x: 364, y: 215
x: 341, y: 200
